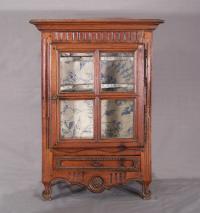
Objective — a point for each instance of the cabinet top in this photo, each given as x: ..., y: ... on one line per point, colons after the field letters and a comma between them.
x: 95, y: 24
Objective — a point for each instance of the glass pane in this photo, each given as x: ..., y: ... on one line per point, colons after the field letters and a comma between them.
x: 117, y: 118
x: 117, y: 71
x: 76, y: 118
x: 76, y: 72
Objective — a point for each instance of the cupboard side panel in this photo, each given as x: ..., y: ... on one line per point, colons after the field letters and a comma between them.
x: 46, y: 154
x: 148, y: 73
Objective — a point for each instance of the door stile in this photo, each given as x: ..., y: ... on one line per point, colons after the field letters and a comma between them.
x: 53, y: 101
x: 140, y: 68
x: 97, y: 91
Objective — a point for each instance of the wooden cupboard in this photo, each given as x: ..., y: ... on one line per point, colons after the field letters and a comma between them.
x: 96, y: 102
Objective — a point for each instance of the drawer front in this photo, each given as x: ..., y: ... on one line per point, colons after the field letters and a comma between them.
x: 122, y: 163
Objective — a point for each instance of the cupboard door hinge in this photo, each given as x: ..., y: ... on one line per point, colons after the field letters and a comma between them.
x: 145, y: 93
x: 145, y: 124
x: 145, y: 89
x: 145, y: 53
x: 145, y: 74
x: 145, y: 66
x: 145, y: 81
x: 54, y: 97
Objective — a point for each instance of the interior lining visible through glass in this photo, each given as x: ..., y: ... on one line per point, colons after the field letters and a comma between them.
x: 76, y: 118
x: 117, y: 71
x: 117, y: 118
x: 76, y: 72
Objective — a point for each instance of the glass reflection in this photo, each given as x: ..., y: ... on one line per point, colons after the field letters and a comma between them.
x: 76, y: 72
x: 117, y: 118
x: 76, y: 118
x: 117, y: 71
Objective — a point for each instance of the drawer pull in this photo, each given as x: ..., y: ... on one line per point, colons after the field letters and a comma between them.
x: 96, y: 164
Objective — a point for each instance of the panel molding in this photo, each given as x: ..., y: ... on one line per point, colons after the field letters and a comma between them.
x: 102, y: 36
x: 95, y: 160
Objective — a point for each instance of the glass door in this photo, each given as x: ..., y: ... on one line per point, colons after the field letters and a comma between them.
x: 96, y: 95
x: 117, y: 74
x: 76, y: 75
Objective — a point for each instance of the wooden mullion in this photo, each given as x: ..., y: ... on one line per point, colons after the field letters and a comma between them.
x: 97, y: 73
x: 97, y: 91
x: 117, y: 95
x: 76, y: 95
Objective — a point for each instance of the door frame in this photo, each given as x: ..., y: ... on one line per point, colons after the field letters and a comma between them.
x: 55, y: 95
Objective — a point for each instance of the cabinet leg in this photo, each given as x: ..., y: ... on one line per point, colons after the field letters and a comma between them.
x: 146, y: 193
x: 46, y: 194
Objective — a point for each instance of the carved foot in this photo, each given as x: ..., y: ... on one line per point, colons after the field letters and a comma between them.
x: 46, y: 194
x: 146, y: 193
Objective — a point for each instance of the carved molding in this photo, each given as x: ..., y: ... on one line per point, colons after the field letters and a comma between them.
x: 129, y: 36
x: 112, y: 150
x: 102, y: 158
x: 97, y: 163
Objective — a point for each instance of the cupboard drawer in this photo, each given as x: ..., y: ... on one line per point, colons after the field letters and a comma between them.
x: 122, y: 163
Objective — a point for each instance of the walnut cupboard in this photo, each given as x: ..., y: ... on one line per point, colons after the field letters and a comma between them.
x: 96, y: 102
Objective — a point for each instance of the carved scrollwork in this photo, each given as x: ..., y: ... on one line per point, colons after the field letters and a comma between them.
x: 46, y: 194
x: 96, y: 184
